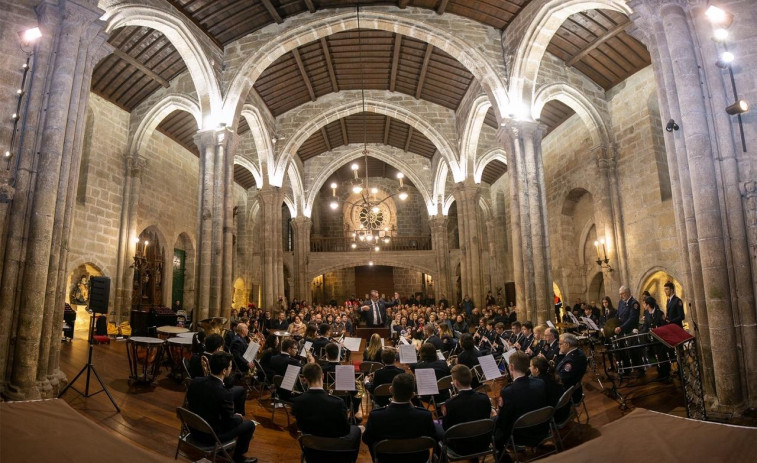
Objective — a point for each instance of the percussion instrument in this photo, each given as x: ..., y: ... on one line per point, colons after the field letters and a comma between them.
x: 144, y: 358
x: 168, y: 331
x: 188, y: 334
x: 281, y: 333
x: 213, y: 325
x: 639, y: 351
x: 178, y: 349
x: 609, y: 329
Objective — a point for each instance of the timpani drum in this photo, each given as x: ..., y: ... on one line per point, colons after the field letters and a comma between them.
x: 178, y: 350
x: 144, y: 358
x: 168, y: 331
x: 632, y: 351
x: 188, y: 334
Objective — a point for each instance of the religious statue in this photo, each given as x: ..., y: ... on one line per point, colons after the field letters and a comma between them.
x: 80, y: 291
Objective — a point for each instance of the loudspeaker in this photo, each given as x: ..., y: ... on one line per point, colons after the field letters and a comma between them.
x: 99, y: 293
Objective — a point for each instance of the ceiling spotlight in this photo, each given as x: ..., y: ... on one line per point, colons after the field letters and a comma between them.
x: 718, y: 16
x: 377, y: 249
x: 671, y: 126
x: 30, y: 35
x: 739, y: 107
x: 726, y: 58
x: 720, y: 34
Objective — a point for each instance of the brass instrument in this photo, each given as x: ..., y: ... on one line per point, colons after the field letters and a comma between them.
x: 609, y: 329
x: 213, y: 325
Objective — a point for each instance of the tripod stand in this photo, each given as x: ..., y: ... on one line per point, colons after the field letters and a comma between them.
x: 89, y: 368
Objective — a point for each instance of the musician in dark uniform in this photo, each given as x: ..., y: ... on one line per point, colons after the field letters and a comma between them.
x: 552, y: 346
x: 400, y: 420
x: 374, y: 310
x: 384, y: 375
x: 288, y: 356
x: 674, y: 309
x: 653, y: 316
x: 629, y: 311
x: 468, y: 405
x: 572, y: 364
x: 528, y: 336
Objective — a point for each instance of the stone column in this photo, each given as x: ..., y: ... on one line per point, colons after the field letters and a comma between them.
x: 496, y: 234
x: 699, y: 155
x: 28, y: 378
x: 215, y: 223
x: 271, y: 199
x: 529, y: 212
x: 609, y: 219
x: 467, y: 194
x: 440, y: 245
x: 302, y: 226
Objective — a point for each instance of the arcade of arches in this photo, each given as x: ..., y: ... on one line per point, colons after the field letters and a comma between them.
x: 187, y: 151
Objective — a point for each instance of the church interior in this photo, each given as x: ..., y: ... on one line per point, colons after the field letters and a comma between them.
x: 202, y: 157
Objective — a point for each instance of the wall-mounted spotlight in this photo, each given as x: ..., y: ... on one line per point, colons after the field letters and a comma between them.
x: 726, y: 58
x: 671, y: 126
x: 739, y: 107
x: 719, y: 17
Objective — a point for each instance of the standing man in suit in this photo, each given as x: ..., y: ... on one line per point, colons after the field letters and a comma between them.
x: 523, y: 395
x: 629, y: 311
x: 384, y: 375
x: 374, y: 310
x: 400, y: 420
x: 208, y: 398
x: 468, y: 405
x: 572, y: 364
x: 323, y: 415
x: 674, y: 310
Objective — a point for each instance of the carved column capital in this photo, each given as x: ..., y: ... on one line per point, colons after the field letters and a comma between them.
x: 6, y: 192
x: 606, y: 157
x: 135, y: 164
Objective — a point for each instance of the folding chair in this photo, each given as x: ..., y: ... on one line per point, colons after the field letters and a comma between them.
x: 260, y: 380
x: 381, y: 391
x: 338, y: 449
x: 367, y: 368
x: 185, y: 367
x: 395, y: 447
x: 278, y: 402
x: 577, y: 405
x: 191, y: 421
x: 467, y: 431
x: 565, y: 403
x: 533, y: 419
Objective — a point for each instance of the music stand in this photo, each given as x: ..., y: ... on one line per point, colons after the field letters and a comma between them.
x: 90, y: 368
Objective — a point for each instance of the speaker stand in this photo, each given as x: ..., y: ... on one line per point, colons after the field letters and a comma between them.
x: 90, y: 368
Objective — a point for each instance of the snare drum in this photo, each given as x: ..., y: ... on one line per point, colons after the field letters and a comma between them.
x: 632, y: 351
x: 144, y: 358
x: 178, y: 350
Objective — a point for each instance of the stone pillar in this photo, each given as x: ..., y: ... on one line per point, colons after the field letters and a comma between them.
x: 440, y: 245
x: 531, y: 250
x: 215, y: 223
x: 302, y: 226
x: 609, y: 218
x: 467, y: 194
x: 271, y: 199
x: 699, y: 155
x: 495, y: 234
x: 70, y: 24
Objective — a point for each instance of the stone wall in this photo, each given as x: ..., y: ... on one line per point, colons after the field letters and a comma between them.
x: 339, y: 284
x: 407, y: 281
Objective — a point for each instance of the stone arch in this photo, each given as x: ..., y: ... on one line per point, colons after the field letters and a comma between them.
x: 596, y: 287
x: 572, y: 198
x: 156, y: 114
x: 440, y: 182
x: 371, y: 105
x: 485, y: 206
x: 349, y: 155
x: 81, y: 186
x: 447, y: 204
x: 260, y: 136
x: 240, y: 161
x: 579, y: 103
x: 544, y: 18
x: 186, y: 42
x: 365, y: 259
x: 290, y: 204
x: 340, y: 20
x: 241, y: 293
x: 471, y: 132
x: 497, y: 154
x: 298, y: 192
x: 184, y: 242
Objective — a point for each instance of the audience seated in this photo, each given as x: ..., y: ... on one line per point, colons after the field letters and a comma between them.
x: 323, y: 415
x: 384, y: 375
x: 468, y: 405
x: 399, y: 420
x: 208, y: 398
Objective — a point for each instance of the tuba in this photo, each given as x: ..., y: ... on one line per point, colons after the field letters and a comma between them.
x: 213, y: 325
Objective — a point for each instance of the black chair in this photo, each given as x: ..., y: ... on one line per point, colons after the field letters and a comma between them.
x: 333, y: 449
x: 465, y: 431
x: 185, y: 367
x: 381, y: 391
x: 367, y: 367
x: 533, y: 419
x: 565, y: 413
x: 394, y: 447
x: 260, y: 380
x: 191, y: 421
x: 578, y: 404
x: 278, y: 402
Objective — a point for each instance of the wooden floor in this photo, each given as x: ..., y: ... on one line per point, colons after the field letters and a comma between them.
x: 148, y: 414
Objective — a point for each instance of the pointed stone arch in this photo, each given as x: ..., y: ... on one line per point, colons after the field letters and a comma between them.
x: 155, y: 116
x: 496, y: 154
x: 588, y: 113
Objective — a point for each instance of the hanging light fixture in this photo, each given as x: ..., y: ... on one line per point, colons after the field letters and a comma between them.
x: 372, y: 231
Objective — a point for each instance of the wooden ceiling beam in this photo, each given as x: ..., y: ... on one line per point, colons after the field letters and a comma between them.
x: 343, y: 126
x: 424, y: 69
x: 409, y: 137
x: 442, y: 6
x: 272, y: 11
x: 597, y: 42
x: 329, y: 65
x: 310, y: 5
x: 395, y: 62
x: 325, y: 136
x: 387, y: 124
x: 303, y: 73
x: 144, y: 69
x: 176, y: 4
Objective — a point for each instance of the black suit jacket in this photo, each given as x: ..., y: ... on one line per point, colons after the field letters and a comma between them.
x: 523, y: 395
x: 652, y: 320
x: 369, y: 316
x: 320, y: 414
x: 279, y: 363
x: 279, y: 325
x: 436, y: 341
x: 571, y: 370
x: 319, y: 344
x: 208, y: 397
x: 237, y: 349
x: 399, y: 421
x: 466, y: 406
x: 628, y: 314
x: 381, y: 376
x: 550, y: 351
x: 469, y: 358
x: 675, y: 311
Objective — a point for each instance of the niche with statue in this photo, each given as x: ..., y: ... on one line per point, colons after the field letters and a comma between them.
x: 147, y: 290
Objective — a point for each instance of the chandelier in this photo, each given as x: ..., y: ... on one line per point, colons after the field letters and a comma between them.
x: 370, y: 211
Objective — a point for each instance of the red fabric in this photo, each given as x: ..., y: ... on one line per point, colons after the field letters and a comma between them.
x: 102, y: 339
x: 671, y: 334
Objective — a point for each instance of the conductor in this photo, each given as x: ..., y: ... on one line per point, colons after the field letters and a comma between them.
x: 374, y: 310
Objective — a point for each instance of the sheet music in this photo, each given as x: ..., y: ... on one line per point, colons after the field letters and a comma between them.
x: 489, y: 367
x: 550, y: 324
x: 573, y: 318
x: 590, y: 323
x: 290, y: 377
x: 306, y: 349
x: 252, y: 351
x: 403, y: 341
x: 505, y: 342
x: 458, y: 334
x: 344, y: 378
x: 408, y: 354
x: 509, y: 354
x: 382, y: 343
x: 353, y: 344
x: 426, y: 379
x: 440, y: 355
